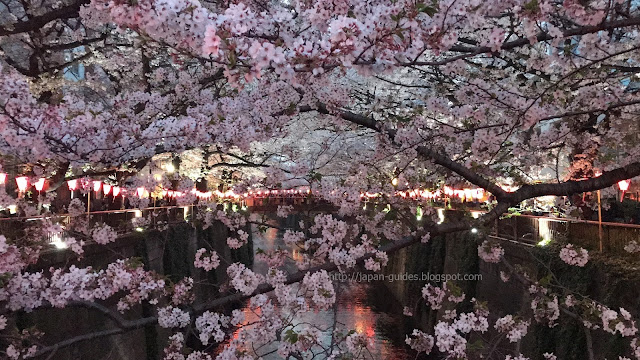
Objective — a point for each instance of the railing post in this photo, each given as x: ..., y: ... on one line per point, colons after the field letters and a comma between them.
x: 599, y: 220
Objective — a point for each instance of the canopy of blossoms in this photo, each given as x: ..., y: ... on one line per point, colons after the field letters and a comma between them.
x: 341, y: 97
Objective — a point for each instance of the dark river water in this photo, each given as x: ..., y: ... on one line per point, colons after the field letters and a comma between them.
x: 368, y: 308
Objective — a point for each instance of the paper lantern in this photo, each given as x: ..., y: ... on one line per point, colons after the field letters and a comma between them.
x: 39, y: 184
x: 140, y: 191
x: 116, y: 191
x: 3, y: 178
x: 72, y: 184
x: 97, y: 185
x: 106, y: 189
x: 624, y: 185
x: 23, y: 183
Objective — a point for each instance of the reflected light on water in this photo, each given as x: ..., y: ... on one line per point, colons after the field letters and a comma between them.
x: 357, y: 308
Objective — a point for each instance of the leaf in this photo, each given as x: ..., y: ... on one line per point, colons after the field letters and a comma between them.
x: 532, y: 6
x: 545, y: 281
x: 291, y: 336
x: 428, y: 9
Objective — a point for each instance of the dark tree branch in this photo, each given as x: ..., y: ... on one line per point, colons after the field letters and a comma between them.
x: 37, y: 22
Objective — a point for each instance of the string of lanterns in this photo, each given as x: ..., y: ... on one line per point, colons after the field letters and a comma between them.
x: 465, y: 194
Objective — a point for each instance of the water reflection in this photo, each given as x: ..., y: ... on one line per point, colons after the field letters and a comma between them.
x: 367, y: 308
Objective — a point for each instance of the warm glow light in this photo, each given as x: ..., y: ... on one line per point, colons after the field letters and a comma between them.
x: 170, y: 168
x: 97, y: 185
x: 624, y: 185
x: 116, y: 191
x: 106, y: 189
x: 468, y: 194
x: 23, y: 183
x: 72, y: 184
x: 39, y: 184
x: 3, y: 178
x: 544, y: 231
x: 394, y: 182
x: 544, y: 242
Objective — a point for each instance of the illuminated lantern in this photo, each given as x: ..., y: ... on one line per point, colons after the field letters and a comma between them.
x: 23, y: 183
x: 116, y: 191
x: 106, y: 189
x: 39, y: 184
x: 72, y: 184
x: 170, y: 192
x: 468, y: 194
x: 3, y: 178
x: 140, y: 191
x: 97, y: 185
x: 624, y: 186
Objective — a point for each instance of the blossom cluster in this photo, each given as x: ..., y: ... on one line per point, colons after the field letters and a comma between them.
x: 490, y: 252
x: 173, y: 317
x: 104, y: 234
x: 515, y: 328
x: 574, y: 256
x: 206, y: 262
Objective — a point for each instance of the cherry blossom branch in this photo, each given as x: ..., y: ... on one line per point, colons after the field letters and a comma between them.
x: 127, y: 326
x: 437, y: 157
x: 542, y: 36
x: 37, y: 22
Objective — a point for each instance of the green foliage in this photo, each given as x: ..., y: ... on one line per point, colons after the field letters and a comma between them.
x: 291, y: 336
x: 430, y: 10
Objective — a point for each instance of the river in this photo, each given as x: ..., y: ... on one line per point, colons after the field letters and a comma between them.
x: 367, y: 308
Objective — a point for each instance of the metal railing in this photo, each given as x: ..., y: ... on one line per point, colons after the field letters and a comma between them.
x: 529, y: 229
x: 524, y: 229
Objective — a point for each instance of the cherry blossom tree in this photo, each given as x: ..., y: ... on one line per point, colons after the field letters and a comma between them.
x: 341, y: 96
